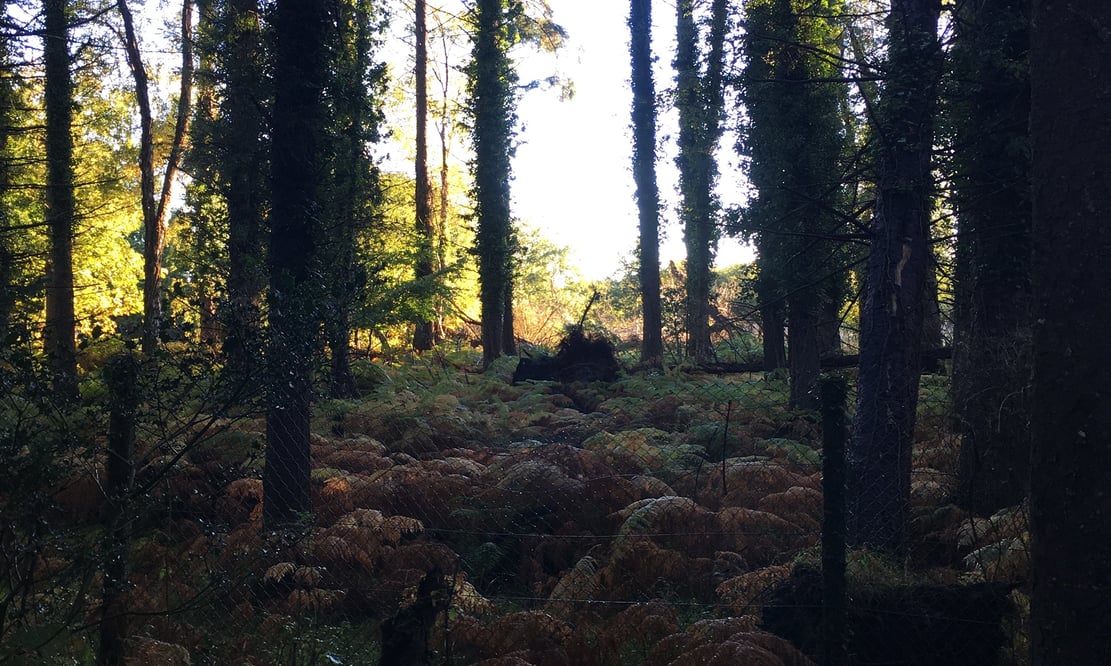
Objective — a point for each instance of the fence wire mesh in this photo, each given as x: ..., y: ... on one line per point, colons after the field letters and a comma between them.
x: 458, y: 518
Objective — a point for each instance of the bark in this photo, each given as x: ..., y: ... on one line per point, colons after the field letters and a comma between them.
x: 121, y: 376
x: 1070, y: 495
x: 699, y: 101
x: 773, y: 318
x: 244, y: 166
x: 299, y: 72
x: 493, y: 122
x: 992, y: 364
x: 804, y: 360
x: 8, y: 286
x: 153, y: 234
x: 58, y: 336
x: 893, y: 308
x: 354, y: 185
x: 422, y: 334
x: 644, y: 175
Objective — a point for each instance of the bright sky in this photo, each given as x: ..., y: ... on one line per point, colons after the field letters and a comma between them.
x: 573, y: 173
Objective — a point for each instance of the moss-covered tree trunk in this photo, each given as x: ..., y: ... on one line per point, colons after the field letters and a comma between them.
x: 423, y: 331
x: 492, y: 84
x: 1070, y: 494
x: 698, y: 98
x: 894, y: 303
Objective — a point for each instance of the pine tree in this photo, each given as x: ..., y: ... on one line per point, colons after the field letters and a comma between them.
x: 58, y: 335
x: 299, y: 117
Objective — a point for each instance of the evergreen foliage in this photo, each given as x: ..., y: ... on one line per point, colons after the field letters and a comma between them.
x: 795, y: 139
x: 491, y: 86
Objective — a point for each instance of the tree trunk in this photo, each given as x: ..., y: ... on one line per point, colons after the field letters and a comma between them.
x: 644, y: 174
x: 244, y: 163
x: 58, y: 336
x: 300, y: 72
x: 699, y: 102
x: 354, y: 186
x: 773, y: 318
x: 1070, y: 495
x: 804, y: 358
x: 153, y: 234
x: 422, y: 334
x: 493, y: 101
x: 8, y: 286
x: 893, y: 308
x: 990, y: 104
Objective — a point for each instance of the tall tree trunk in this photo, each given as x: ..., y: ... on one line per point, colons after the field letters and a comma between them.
x: 644, y: 174
x: 990, y: 105
x: 893, y: 309
x: 423, y: 333
x: 8, y: 287
x: 155, y: 210
x: 699, y: 101
x: 153, y: 235
x: 300, y: 71
x: 493, y: 101
x: 1070, y: 495
x: 58, y: 337
x: 354, y: 182
x: 244, y: 166
x: 804, y: 358
x: 773, y: 319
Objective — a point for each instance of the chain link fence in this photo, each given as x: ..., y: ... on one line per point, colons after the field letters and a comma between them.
x: 674, y: 517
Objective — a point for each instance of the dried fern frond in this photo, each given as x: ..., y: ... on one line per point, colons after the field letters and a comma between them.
x: 744, y: 593
x: 581, y: 582
x: 468, y: 599
x: 278, y: 572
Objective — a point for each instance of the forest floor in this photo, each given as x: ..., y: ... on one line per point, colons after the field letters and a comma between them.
x: 459, y: 517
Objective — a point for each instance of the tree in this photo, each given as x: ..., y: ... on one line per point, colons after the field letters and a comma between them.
x: 299, y: 115
x: 8, y: 270
x: 698, y: 98
x: 352, y: 188
x: 493, y: 99
x: 423, y: 337
x: 1070, y: 505
x: 795, y: 140
x: 644, y: 173
x: 879, y: 455
x: 988, y: 109
x: 61, y: 205
x: 241, y: 156
x: 155, y: 210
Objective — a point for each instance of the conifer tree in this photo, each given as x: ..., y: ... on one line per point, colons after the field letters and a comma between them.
x: 59, y: 335
x: 892, y: 313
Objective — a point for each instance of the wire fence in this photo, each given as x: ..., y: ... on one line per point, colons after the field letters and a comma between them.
x: 674, y: 517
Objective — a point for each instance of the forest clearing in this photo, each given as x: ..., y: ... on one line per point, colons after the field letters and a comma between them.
x: 288, y: 379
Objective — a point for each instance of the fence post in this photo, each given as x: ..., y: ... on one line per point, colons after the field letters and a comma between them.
x: 121, y: 375
x: 834, y: 433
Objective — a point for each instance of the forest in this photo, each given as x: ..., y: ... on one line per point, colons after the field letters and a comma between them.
x: 286, y: 378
